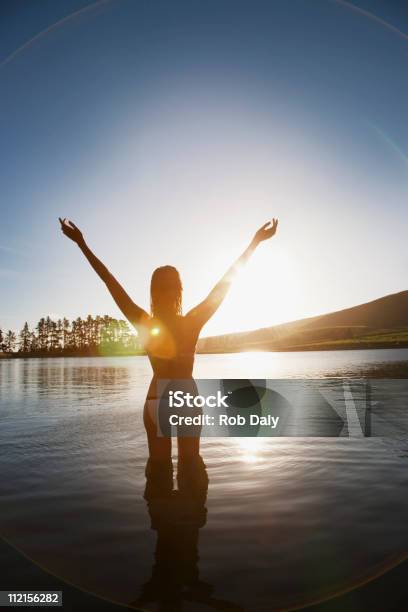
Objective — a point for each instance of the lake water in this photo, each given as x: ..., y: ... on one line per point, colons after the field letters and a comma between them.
x: 286, y: 522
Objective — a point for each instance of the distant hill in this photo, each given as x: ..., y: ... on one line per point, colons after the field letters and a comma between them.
x: 381, y: 323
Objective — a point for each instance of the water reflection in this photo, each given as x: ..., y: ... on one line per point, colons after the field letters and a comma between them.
x: 250, y: 449
x: 55, y: 376
x: 177, y: 515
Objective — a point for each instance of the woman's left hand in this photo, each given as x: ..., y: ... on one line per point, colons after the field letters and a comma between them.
x: 266, y: 231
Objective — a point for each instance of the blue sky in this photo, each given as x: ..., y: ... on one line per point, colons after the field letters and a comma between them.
x: 168, y: 131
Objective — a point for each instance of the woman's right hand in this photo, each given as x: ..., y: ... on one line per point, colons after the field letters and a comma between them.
x: 70, y: 230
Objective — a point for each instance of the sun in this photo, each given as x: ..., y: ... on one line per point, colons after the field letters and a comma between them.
x: 266, y: 292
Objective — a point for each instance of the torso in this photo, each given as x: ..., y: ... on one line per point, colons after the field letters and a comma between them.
x: 171, y: 349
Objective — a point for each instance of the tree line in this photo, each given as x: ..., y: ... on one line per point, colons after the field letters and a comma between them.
x: 91, y: 336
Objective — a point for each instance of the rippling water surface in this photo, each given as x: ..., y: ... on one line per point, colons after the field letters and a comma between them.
x: 287, y: 521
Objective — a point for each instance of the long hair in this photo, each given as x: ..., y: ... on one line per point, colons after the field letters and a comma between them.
x: 165, y: 292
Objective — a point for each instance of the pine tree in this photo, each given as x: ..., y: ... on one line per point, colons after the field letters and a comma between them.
x: 25, y: 339
x: 10, y: 343
x: 41, y: 335
x: 48, y: 333
x: 66, y: 333
x: 54, y: 336
x: 33, y: 342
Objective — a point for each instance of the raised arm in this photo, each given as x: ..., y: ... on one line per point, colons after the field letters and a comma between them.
x: 131, y: 311
x: 205, y: 310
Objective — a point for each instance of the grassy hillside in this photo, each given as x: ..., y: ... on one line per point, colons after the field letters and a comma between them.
x: 381, y: 323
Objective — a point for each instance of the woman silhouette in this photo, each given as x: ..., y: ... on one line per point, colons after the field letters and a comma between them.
x: 168, y: 336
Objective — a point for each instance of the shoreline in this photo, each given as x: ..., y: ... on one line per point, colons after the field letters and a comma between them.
x: 248, y: 349
x: 304, y: 348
